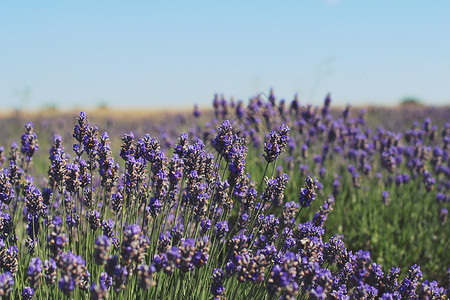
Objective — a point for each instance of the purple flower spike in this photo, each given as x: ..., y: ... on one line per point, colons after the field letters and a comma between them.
x: 35, y: 271
x: 6, y: 283
x: 276, y: 143
x: 217, y: 277
x: 27, y: 293
x: 29, y: 142
x: 308, y: 193
x: 221, y: 229
x: 101, y: 249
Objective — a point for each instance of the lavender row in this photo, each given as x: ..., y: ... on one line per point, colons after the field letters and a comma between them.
x: 192, y: 219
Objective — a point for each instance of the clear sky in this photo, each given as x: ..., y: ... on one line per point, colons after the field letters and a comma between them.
x: 172, y: 53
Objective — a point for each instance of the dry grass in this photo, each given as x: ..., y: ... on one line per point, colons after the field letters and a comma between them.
x: 101, y: 113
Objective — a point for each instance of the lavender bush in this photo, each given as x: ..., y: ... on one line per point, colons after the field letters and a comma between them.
x: 265, y: 200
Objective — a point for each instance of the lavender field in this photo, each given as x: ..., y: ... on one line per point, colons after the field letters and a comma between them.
x: 258, y: 199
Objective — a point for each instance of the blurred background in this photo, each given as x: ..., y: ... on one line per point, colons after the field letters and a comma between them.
x: 174, y: 54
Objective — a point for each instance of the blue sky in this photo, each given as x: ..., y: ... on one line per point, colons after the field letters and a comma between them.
x: 173, y: 53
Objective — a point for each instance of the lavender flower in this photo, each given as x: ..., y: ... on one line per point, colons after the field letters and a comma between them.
x: 29, y: 142
x: 81, y: 127
x: 276, y: 143
x: 333, y: 248
x: 33, y: 200
x: 409, y: 284
x: 108, y: 227
x: 27, y: 293
x: 187, y: 251
x: 117, y: 202
x: 73, y: 178
x: 56, y: 240
x: 101, y: 249
x: 289, y: 212
x: 93, y: 218
x: 72, y: 221
x: 145, y: 274
x: 66, y: 284
x: 50, y: 271
x: 57, y: 170
x: 321, y: 216
x: 177, y: 233
x: 181, y: 147
x: 205, y: 225
x: 154, y: 207
x: 221, y: 229
x: 201, y: 254
x: 120, y: 277
x: 6, y: 187
x: 108, y: 169
x: 217, y: 278
x: 134, y: 246
x: 364, y: 291
x: 386, y: 197
x: 318, y: 293
x: 35, y: 271
x: 90, y: 141
x: 9, y: 260
x: 6, y: 284
x: 6, y: 225
x: 223, y: 141
x: 431, y: 290
x: 73, y: 272
x: 98, y: 292
x: 308, y: 193
x: 237, y: 156
x: 105, y: 280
